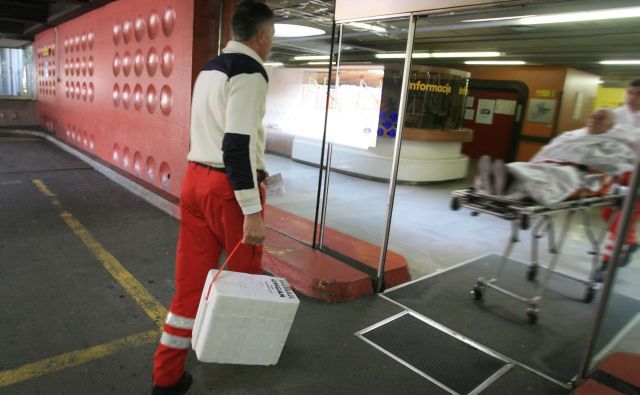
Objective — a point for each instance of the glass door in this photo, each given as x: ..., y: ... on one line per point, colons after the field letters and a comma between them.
x: 362, y: 125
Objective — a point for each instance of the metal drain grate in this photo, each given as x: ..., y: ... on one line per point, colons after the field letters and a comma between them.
x: 451, y: 363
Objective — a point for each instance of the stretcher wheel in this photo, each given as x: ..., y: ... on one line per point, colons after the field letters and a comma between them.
x: 589, y: 294
x: 532, y: 315
x: 525, y: 222
x: 532, y: 273
x: 477, y: 293
x: 455, y: 204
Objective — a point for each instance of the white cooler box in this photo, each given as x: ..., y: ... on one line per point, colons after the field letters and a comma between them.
x: 245, y: 320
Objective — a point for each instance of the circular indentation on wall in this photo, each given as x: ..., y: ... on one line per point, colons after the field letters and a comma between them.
x: 77, y: 66
x: 115, y: 155
x: 69, y: 64
x: 116, y: 64
x: 90, y: 65
x: 91, y: 38
x: 73, y: 135
x: 153, y: 24
x: 92, y: 143
x: 116, y: 95
x: 72, y: 91
x: 78, y: 90
x: 126, y: 96
x: 137, y: 163
x: 83, y: 41
x: 151, y: 172
x: 168, y: 21
x: 166, y: 100
x: 138, y: 62
x: 117, y: 33
x: 77, y: 42
x: 138, y: 97
x: 126, y: 63
x: 139, y: 28
x: 85, y: 139
x: 83, y: 65
x: 66, y: 46
x: 84, y: 91
x: 127, y: 31
x: 71, y: 44
x: 165, y: 175
x: 166, y: 61
x: 151, y: 98
x: 152, y: 61
x: 68, y: 133
x: 91, y: 92
x: 66, y: 88
x: 126, y: 158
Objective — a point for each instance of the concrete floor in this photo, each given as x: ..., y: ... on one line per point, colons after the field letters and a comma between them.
x: 74, y: 326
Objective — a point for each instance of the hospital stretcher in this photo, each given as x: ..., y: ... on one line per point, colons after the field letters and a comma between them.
x: 524, y: 215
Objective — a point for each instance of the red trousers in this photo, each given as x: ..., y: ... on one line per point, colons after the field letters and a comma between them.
x: 630, y: 237
x: 210, y: 220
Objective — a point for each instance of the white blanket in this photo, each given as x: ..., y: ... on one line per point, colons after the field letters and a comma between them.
x: 548, y: 183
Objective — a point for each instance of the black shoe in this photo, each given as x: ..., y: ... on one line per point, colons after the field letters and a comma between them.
x: 179, y: 388
x: 627, y: 252
x: 601, y: 272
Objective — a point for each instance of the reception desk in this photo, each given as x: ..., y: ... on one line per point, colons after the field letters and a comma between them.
x: 427, y: 155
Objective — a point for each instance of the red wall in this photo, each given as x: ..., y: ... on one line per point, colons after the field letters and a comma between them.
x: 117, y: 83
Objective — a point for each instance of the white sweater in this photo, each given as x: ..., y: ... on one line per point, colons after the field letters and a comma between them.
x: 226, y: 120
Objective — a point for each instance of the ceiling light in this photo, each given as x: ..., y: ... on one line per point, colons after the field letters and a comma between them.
x: 504, y: 18
x: 376, y: 71
x: 465, y: 54
x: 600, y: 82
x: 496, y: 62
x: 273, y: 64
x: 312, y: 57
x: 620, y: 62
x: 596, y: 15
x: 415, y: 55
x: 319, y: 63
x: 287, y: 30
x: 367, y: 26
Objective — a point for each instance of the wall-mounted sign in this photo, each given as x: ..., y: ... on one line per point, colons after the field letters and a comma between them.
x: 486, y: 108
x: 541, y: 110
x: 545, y: 93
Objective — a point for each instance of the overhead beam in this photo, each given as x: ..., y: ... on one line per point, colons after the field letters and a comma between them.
x: 24, y: 13
x: 11, y: 27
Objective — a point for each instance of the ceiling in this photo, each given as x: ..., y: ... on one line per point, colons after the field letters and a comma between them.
x: 578, y: 45
x: 20, y: 20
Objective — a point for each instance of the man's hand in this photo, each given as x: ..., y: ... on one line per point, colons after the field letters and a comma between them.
x: 254, y: 229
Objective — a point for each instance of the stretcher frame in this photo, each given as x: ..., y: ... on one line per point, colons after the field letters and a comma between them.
x: 521, y: 214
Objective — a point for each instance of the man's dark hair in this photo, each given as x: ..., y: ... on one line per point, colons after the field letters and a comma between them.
x: 635, y: 83
x: 249, y: 16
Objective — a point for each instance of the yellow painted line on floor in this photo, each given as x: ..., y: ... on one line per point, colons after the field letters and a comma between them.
x: 17, y: 139
x: 75, y: 358
x: 154, y: 309
x: 2, y: 183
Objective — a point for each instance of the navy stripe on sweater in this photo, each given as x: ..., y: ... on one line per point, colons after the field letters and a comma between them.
x: 233, y: 64
x: 237, y: 162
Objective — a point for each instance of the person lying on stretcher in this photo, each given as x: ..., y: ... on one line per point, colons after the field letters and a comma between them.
x: 583, y: 162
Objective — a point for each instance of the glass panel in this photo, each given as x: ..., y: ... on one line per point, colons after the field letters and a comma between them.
x: 16, y: 72
x: 618, y: 342
x: 296, y: 108
x: 362, y: 123
x: 507, y: 111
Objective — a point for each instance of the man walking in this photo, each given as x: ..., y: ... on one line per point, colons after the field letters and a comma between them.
x: 221, y: 199
x: 629, y: 113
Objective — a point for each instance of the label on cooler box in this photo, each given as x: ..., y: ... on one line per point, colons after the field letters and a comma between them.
x: 280, y: 287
